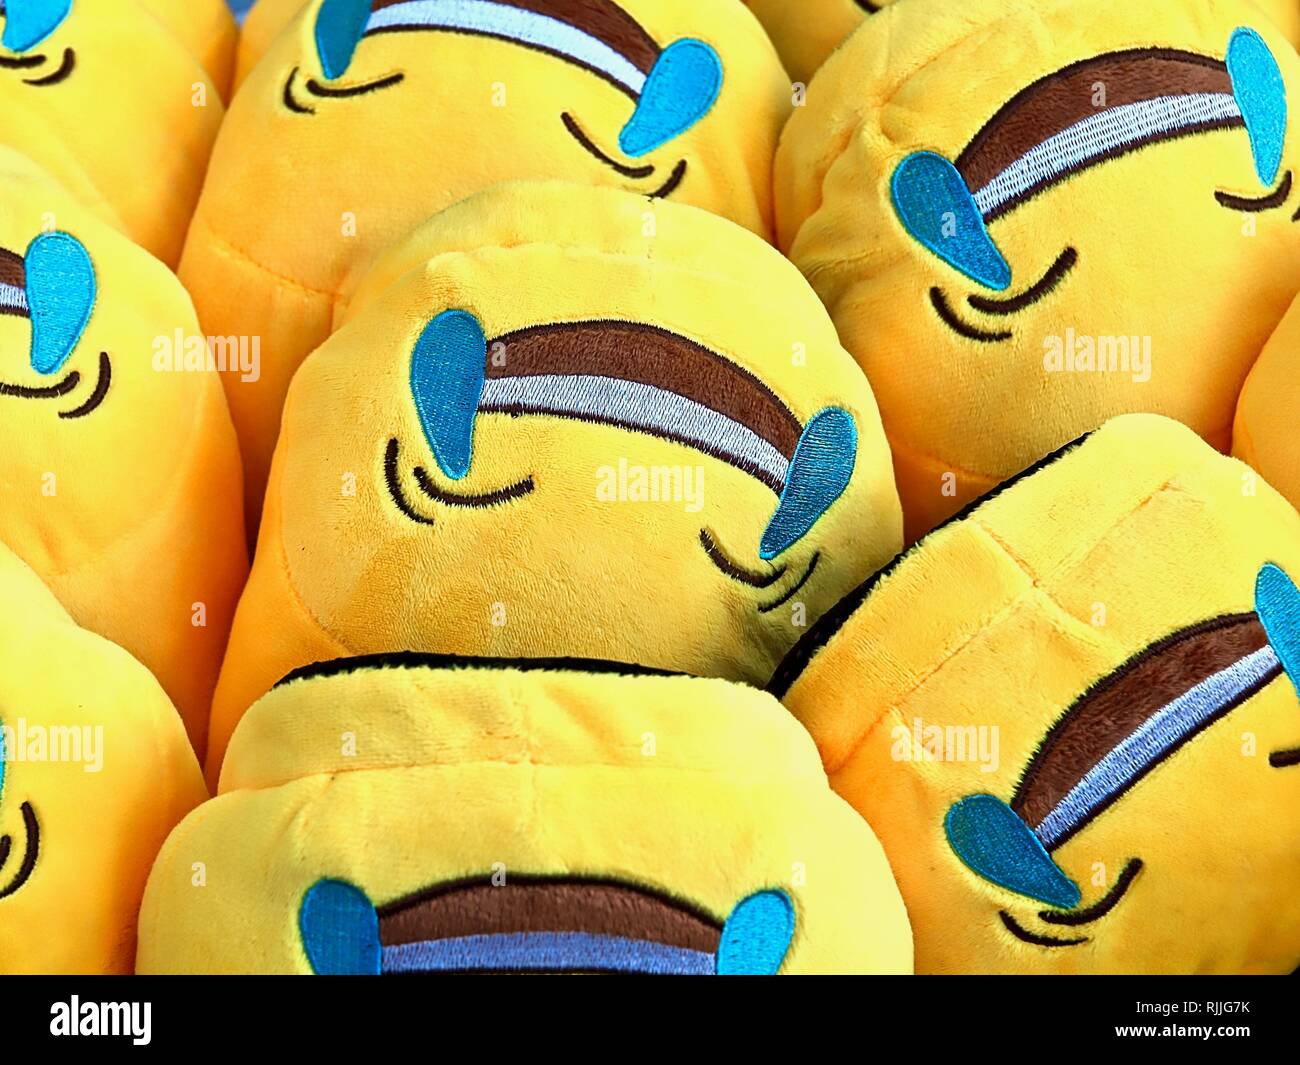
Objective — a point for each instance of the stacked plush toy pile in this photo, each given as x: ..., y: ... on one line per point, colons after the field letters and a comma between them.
x: 706, y: 516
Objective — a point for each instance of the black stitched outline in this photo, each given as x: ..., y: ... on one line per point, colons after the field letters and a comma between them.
x: 1053, y: 734
x: 806, y: 648
x: 576, y: 132
x: 1104, y: 905
x: 22, y: 62
x: 488, y: 499
x: 289, y: 101
x: 424, y: 660
x: 807, y: 574
x: 671, y: 185
x: 869, y: 7
x: 1276, y: 198
x: 66, y: 67
x: 1035, y: 292
x: 101, y: 390
x: 940, y: 304
x: 325, y: 92
x: 1016, y: 930
x: 1285, y: 759
x: 6, y: 843
x: 30, y: 855
x: 395, y: 487
x: 49, y: 392
x: 733, y: 569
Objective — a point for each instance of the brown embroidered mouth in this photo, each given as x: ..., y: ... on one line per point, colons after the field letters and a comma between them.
x: 1132, y: 720
x: 546, y: 925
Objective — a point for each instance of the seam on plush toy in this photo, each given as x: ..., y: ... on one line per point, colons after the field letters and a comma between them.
x: 1036, y: 585
x: 226, y: 247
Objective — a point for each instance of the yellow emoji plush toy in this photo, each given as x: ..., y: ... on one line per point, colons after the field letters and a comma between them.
x: 94, y: 772
x: 1265, y: 431
x: 121, y: 480
x: 1071, y: 716
x: 1027, y: 216
x: 567, y: 420
x: 364, y: 118
x: 207, y: 28
x: 112, y: 103
x: 414, y: 814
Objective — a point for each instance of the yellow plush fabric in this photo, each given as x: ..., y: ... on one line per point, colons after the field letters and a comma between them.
x: 95, y: 772
x: 1012, y: 652
x: 1265, y: 432
x: 121, y: 480
x: 114, y: 100
x: 1167, y: 265
x: 519, y: 802
x: 265, y: 20
x: 208, y: 30
x: 313, y: 174
x: 608, y: 532
x: 806, y: 33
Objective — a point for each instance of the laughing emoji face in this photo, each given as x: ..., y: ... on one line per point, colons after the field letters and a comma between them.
x: 522, y: 817
x: 1107, y: 226
x: 665, y: 98
x: 83, y: 727
x: 114, y: 105
x: 121, y: 469
x: 1087, y: 759
x: 663, y: 457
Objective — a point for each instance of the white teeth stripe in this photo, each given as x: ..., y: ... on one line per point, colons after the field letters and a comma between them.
x: 1100, y: 134
x: 516, y: 24
x: 1164, y: 730
x: 641, y: 406
x: 12, y: 296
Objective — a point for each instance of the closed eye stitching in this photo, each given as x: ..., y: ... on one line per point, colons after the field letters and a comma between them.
x: 395, y: 487
x: 101, y: 390
x: 670, y: 186
x: 1102, y: 907
x: 807, y: 575
x: 576, y: 132
x: 1284, y: 759
x: 488, y: 499
x: 940, y: 304
x: 22, y: 62
x: 317, y: 89
x: 30, y: 855
x: 1040, y: 288
x: 289, y: 101
x: 1027, y: 936
x: 735, y: 571
x: 1276, y: 198
x: 51, y: 392
x: 65, y: 70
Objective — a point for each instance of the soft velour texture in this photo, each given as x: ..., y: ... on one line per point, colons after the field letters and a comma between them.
x: 1067, y: 718
x: 116, y: 106
x: 1265, y: 432
x: 806, y: 33
x: 694, y: 469
x: 207, y: 28
x: 409, y: 813
x: 1006, y: 263
x: 121, y: 479
x: 313, y: 175
x: 94, y: 772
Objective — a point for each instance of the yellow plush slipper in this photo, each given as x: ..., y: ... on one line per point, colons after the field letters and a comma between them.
x: 121, y: 479
x: 1071, y: 716
x: 1027, y: 216
x: 359, y: 124
x: 208, y: 30
x: 109, y: 100
x: 408, y: 814
x: 94, y: 772
x: 567, y: 420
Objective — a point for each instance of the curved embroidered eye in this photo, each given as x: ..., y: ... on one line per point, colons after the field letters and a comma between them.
x: 29, y: 22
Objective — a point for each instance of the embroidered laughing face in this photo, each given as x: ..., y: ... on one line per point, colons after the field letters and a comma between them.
x: 376, y: 53
x: 1120, y: 236
x: 1201, y: 699
x: 135, y: 135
